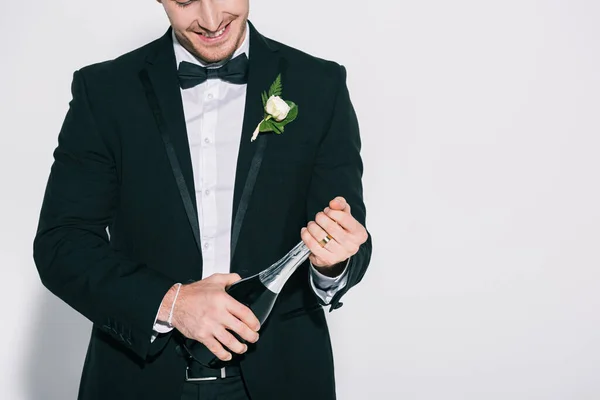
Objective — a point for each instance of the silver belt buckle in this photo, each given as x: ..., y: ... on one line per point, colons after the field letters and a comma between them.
x: 208, y: 378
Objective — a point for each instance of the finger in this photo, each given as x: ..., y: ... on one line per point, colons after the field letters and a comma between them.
x: 217, y: 349
x: 230, y: 279
x: 335, y: 253
x: 224, y: 279
x: 228, y: 340
x: 318, y: 234
x: 312, y: 244
x: 339, y: 203
x: 237, y: 326
x: 333, y: 249
x: 332, y: 228
x: 243, y: 313
x: 329, y: 259
x: 346, y: 220
x: 317, y: 262
x: 356, y: 234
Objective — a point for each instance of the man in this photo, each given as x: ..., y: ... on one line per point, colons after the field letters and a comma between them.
x: 159, y: 147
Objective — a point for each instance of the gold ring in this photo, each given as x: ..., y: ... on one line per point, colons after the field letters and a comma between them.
x: 325, y: 240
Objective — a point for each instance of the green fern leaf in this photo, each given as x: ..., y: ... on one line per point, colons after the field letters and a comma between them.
x: 265, y: 98
x: 276, y: 88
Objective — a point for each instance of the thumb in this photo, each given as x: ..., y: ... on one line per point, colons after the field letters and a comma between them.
x: 226, y: 280
x: 339, y: 203
x: 230, y: 279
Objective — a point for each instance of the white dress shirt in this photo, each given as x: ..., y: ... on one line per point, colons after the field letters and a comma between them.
x: 214, y: 113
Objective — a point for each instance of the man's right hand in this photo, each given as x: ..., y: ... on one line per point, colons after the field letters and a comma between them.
x: 204, y: 312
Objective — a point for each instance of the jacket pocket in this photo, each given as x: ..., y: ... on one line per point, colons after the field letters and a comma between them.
x: 296, y: 312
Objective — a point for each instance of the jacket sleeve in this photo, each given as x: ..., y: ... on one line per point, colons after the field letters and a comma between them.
x: 71, y: 248
x: 338, y: 171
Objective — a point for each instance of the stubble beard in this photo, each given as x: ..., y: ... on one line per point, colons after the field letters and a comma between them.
x: 213, y: 55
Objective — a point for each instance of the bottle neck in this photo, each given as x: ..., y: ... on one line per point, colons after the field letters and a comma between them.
x: 275, y: 277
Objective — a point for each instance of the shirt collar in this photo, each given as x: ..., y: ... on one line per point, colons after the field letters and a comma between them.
x: 181, y: 54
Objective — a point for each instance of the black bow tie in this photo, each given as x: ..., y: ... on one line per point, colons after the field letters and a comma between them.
x: 234, y: 71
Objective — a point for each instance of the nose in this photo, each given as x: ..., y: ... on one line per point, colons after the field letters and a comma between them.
x: 210, y: 16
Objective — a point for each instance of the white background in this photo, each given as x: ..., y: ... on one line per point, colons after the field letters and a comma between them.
x: 480, y: 125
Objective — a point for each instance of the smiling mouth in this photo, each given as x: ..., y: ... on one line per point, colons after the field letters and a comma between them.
x: 215, y: 35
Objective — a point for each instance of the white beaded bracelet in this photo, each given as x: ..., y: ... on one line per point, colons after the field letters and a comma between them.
x: 173, y: 305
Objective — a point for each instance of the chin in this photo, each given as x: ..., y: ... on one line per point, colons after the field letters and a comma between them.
x: 213, y: 54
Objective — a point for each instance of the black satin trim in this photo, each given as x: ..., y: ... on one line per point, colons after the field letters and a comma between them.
x: 183, y: 190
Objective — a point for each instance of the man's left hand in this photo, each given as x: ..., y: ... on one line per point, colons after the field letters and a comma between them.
x: 345, y: 235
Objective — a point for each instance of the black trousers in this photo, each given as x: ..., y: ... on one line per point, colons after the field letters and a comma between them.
x: 232, y: 388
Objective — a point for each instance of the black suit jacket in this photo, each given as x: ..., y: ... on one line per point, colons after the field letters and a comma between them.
x: 120, y: 149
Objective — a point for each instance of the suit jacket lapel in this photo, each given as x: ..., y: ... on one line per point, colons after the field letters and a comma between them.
x: 161, y: 86
x: 264, y: 66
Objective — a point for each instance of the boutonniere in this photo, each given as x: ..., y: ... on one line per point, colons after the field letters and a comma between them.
x: 278, y: 112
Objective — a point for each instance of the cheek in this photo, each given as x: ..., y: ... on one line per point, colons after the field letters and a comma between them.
x: 181, y: 19
x: 240, y: 8
x: 180, y: 22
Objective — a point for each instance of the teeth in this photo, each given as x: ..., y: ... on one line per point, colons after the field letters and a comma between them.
x: 214, y: 35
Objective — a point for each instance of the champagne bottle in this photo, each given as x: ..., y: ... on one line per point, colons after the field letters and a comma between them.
x: 258, y: 292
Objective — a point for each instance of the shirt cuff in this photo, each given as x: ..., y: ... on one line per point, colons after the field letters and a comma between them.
x: 159, y: 327
x: 325, y: 287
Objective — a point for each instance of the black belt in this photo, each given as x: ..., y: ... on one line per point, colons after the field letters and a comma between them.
x: 196, y: 372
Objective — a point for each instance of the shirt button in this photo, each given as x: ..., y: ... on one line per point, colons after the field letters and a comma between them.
x: 210, y: 96
x: 206, y: 245
x: 206, y: 140
x: 207, y: 192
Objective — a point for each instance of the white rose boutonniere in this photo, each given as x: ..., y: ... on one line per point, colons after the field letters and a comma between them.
x: 277, y: 108
x: 278, y: 112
